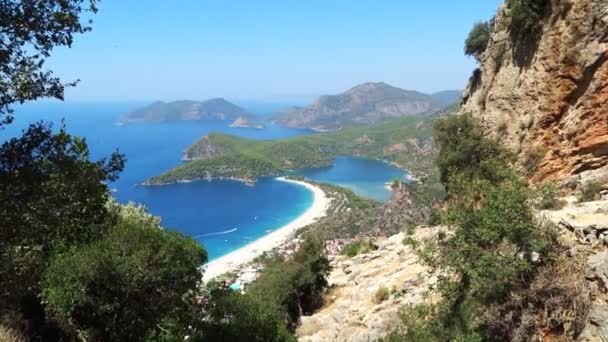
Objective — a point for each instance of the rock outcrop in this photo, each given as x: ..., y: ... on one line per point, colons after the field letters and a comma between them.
x: 583, y: 228
x: 546, y: 97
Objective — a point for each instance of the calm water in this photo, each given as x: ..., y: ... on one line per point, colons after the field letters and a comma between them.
x: 365, y: 177
x: 224, y: 215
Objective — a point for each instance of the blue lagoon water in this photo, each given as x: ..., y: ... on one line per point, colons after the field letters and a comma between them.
x: 222, y: 214
x: 366, y: 177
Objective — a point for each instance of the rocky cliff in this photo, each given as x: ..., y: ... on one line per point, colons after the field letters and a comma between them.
x: 546, y: 95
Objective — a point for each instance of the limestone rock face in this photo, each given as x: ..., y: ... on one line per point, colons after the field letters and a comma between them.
x: 351, y: 313
x: 547, y: 97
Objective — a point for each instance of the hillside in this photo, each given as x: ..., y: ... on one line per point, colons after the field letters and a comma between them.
x: 213, y: 109
x: 363, y: 104
x: 546, y: 94
x: 404, y: 141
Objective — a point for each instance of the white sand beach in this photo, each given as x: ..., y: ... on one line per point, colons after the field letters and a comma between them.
x: 276, y: 238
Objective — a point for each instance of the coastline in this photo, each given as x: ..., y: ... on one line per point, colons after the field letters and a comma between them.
x: 247, y: 253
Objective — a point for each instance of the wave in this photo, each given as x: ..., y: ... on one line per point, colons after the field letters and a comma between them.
x: 217, y: 233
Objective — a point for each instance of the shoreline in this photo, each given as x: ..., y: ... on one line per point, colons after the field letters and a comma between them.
x: 247, y: 253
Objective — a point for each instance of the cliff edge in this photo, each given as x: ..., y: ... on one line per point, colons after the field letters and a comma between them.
x: 545, y: 95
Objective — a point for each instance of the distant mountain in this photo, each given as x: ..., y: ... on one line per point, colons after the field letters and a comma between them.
x: 364, y: 104
x: 447, y: 98
x: 213, y: 109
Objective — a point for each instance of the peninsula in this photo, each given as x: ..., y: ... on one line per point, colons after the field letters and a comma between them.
x: 404, y: 142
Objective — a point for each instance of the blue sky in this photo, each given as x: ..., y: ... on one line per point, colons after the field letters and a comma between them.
x: 268, y: 50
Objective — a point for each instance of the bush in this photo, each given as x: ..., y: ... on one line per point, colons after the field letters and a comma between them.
x: 463, y: 149
x: 526, y: 17
x: 493, y: 235
x: 478, y: 39
x: 590, y: 192
x: 294, y: 286
x: 355, y: 248
x: 381, y: 295
x: 120, y: 287
x: 555, y: 303
x: 533, y: 157
x: 547, y: 197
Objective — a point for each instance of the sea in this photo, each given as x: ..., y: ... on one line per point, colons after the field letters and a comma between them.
x: 223, y: 215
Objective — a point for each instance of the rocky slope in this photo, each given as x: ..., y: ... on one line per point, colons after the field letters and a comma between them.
x: 352, y: 312
x: 213, y: 109
x: 365, y: 104
x: 546, y: 97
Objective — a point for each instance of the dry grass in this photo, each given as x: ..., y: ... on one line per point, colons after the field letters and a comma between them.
x: 9, y: 335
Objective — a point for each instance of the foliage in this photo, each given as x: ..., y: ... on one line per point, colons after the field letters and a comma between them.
x: 491, y: 247
x: 51, y: 198
x: 271, y: 307
x: 29, y: 31
x: 357, y: 247
x: 381, y: 294
x: 478, y: 39
x: 533, y: 158
x: 554, y: 305
x: 117, y: 288
x: 295, y: 286
x: 547, y: 197
x: 251, y: 159
x: 526, y: 17
x: 463, y: 149
x: 424, y: 323
x: 590, y: 192
x: 235, y: 317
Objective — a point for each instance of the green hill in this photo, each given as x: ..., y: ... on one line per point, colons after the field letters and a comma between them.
x: 404, y: 141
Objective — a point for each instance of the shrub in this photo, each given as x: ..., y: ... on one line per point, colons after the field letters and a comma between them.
x: 120, y: 287
x: 355, y: 248
x: 590, y: 192
x: 463, y: 149
x: 533, y: 157
x: 381, y: 294
x: 526, y: 17
x: 478, y: 39
x: 554, y: 304
x: 546, y: 197
x: 294, y: 286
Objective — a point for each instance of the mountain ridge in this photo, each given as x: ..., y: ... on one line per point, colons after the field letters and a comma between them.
x: 366, y: 103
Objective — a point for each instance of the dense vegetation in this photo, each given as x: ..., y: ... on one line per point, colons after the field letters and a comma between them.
x: 404, y: 141
x: 526, y: 17
x: 271, y: 307
x: 495, y: 256
x: 478, y: 39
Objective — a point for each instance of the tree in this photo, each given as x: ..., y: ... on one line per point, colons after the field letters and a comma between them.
x: 235, y: 317
x: 493, y: 238
x: 463, y: 148
x: 526, y: 17
x: 294, y: 286
x: 478, y: 39
x: 52, y: 197
x: 29, y: 31
x: 121, y: 286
